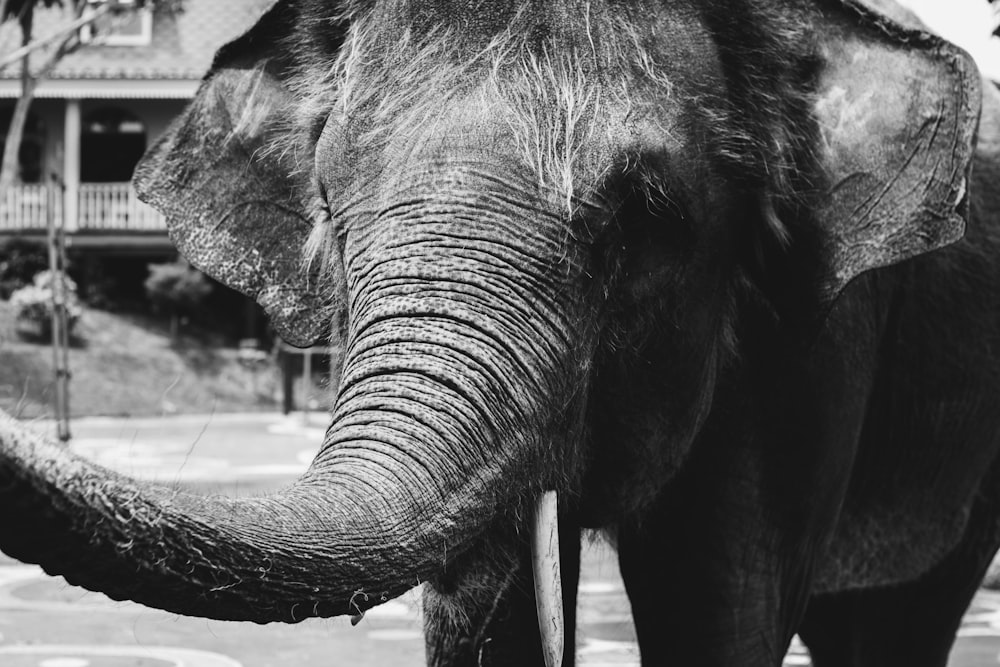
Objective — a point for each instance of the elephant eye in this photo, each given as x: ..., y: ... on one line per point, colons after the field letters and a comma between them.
x: 320, y: 243
x: 666, y: 205
x: 319, y: 206
x: 661, y: 212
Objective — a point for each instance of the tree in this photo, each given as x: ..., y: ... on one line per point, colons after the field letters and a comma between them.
x: 177, y: 288
x: 63, y: 41
x: 20, y: 261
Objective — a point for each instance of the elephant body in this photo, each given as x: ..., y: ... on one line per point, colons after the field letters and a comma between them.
x: 723, y: 277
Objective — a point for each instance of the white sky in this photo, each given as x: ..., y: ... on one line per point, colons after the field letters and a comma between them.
x: 968, y: 23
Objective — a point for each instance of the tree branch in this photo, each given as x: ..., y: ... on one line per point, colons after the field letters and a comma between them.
x: 29, y: 83
x: 65, y: 31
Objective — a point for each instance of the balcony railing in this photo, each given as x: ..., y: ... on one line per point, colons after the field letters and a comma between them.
x: 25, y: 208
x: 103, y: 207
x: 115, y: 207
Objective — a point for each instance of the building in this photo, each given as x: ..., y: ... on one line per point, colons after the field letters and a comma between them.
x: 93, y: 118
x: 102, y: 105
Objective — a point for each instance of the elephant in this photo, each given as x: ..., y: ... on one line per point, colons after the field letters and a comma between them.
x: 719, y: 280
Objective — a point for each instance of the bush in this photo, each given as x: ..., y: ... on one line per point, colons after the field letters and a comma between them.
x: 176, y: 288
x: 33, y: 306
x: 97, y: 287
x: 20, y: 261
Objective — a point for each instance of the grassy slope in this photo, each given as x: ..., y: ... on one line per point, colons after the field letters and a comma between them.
x: 125, y: 365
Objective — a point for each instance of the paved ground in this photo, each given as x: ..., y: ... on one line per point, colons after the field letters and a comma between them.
x: 46, y: 623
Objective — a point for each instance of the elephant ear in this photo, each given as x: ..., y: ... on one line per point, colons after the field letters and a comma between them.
x: 236, y: 206
x: 897, y: 110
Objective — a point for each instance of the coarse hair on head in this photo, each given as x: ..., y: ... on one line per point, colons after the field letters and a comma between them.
x: 553, y: 99
x: 555, y: 107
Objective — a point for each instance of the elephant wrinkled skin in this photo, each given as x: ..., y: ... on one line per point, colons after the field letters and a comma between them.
x: 725, y: 276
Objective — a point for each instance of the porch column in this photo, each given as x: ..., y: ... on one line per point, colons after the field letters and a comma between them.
x: 71, y: 165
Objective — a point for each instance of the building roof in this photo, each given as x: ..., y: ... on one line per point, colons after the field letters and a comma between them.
x: 181, y: 48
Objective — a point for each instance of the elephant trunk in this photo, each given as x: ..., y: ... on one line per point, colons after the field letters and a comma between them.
x: 312, y: 550
x: 447, y: 414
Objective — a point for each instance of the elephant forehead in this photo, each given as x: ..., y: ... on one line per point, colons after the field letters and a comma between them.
x: 563, y: 117
x: 571, y: 24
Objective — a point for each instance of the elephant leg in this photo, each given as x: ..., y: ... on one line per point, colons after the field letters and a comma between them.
x: 692, y: 608
x: 912, y: 624
x: 906, y: 626
x: 639, y: 559
x: 486, y: 615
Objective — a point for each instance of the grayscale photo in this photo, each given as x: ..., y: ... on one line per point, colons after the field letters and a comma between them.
x: 489, y: 333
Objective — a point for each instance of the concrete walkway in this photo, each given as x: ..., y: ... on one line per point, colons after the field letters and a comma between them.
x: 46, y: 623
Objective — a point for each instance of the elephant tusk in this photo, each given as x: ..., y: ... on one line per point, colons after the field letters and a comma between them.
x: 548, y: 581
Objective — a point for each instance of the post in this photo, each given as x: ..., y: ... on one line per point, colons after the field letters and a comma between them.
x: 60, y: 326
x: 72, y: 127
x: 64, y: 434
x: 306, y: 383
x: 287, y: 379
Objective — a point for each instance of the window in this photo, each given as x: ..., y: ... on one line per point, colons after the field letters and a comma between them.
x: 111, y: 143
x: 31, y: 156
x: 125, y: 25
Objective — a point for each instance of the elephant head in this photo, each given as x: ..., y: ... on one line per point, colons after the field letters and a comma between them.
x: 507, y: 212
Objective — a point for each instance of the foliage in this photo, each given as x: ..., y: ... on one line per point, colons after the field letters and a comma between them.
x: 178, y: 289
x: 20, y: 261
x: 16, y: 8
x: 98, y: 286
x: 176, y: 284
x: 58, y: 45
x: 33, y: 305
